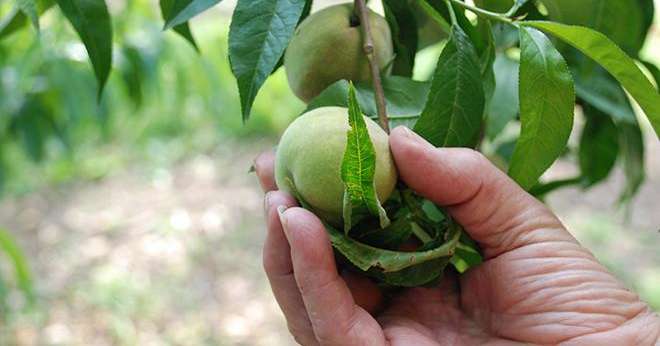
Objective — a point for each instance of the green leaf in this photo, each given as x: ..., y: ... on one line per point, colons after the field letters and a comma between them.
x: 454, y: 109
x: 131, y: 67
x: 16, y: 19
x: 599, y: 146
x: 358, y: 168
x: 181, y: 11
x: 601, y: 90
x: 29, y: 8
x: 437, y: 11
x: 11, y: 22
x: 30, y: 126
x: 418, y: 275
x: 547, y: 98
x: 504, y: 105
x: 654, y: 71
x: 403, y: 24
x: 599, y: 48
x: 19, y: 262
x: 500, y: 6
x: 542, y: 189
x: 91, y: 20
x: 405, y: 98
x: 468, y: 254
x: 648, y: 11
x: 632, y: 153
x: 183, y: 29
x: 620, y: 20
x: 306, y: 11
x: 260, y: 31
x: 365, y: 257
x: 390, y: 237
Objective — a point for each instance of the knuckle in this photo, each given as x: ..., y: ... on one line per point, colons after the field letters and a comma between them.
x: 475, y: 158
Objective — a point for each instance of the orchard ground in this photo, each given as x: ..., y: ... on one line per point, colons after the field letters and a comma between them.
x: 161, y: 244
x: 171, y: 255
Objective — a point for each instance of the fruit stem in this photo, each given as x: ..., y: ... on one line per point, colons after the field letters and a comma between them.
x: 368, y: 47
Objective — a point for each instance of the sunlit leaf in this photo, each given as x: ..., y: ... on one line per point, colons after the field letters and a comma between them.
x: 358, y: 169
x: 547, y: 98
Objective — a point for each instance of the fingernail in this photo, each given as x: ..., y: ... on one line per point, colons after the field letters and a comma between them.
x: 280, y: 211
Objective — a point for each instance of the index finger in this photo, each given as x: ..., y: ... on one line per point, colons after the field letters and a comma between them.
x: 264, y: 166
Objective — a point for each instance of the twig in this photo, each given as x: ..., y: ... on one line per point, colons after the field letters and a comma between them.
x: 368, y: 47
x: 483, y: 13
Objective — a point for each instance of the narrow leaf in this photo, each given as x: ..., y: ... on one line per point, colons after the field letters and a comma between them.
x: 403, y: 24
x: 91, y: 20
x: 16, y: 19
x: 599, y: 146
x: 453, y: 112
x: 599, y: 48
x: 504, y: 105
x: 358, y: 169
x: 306, y: 11
x: 19, y: 262
x: 183, y: 29
x: 260, y: 31
x: 11, y: 22
x: 601, y: 90
x: 547, y: 98
x: 632, y: 153
x: 365, y: 257
x: 654, y: 71
x: 184, y: 10
x: 132, y: 70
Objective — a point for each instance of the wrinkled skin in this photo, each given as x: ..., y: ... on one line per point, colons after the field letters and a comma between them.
x: 537, y: 285
x: 309, y: 157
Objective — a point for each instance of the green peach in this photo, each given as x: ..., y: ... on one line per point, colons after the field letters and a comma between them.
x: 309, y: 157
x: 327, y: 47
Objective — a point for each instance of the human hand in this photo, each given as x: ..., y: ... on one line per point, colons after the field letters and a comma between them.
x: 536, y: 284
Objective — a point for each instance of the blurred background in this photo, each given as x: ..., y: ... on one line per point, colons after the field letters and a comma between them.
x: 136, y: 220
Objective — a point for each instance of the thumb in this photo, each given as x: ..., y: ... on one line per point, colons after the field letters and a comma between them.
x: 492, y: 208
